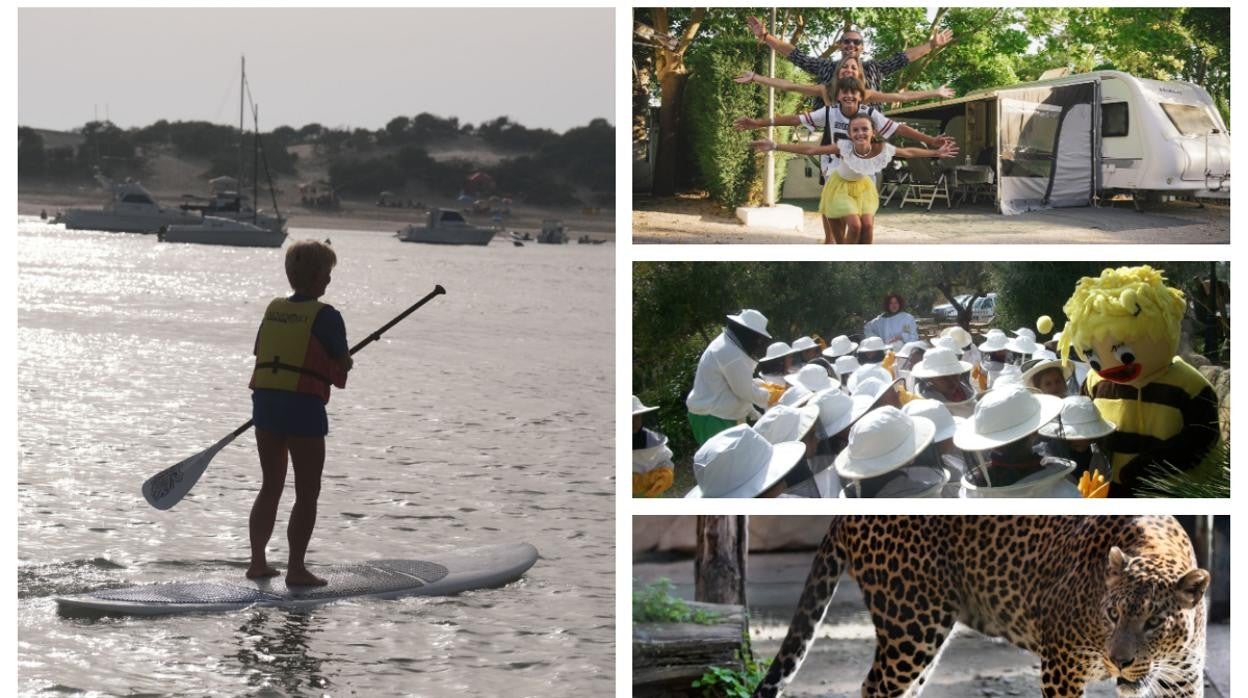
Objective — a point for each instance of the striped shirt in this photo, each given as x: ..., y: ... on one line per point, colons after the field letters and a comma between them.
x: 833, y: 122
x: 1173, y: 419
x: 824, y: 69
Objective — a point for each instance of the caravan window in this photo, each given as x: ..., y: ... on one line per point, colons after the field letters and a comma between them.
x: 1115, y: 119
x: 1190, y: 120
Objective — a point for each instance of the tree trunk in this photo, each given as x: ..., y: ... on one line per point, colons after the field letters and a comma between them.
x: 671, y: 90
x: 719, y: 565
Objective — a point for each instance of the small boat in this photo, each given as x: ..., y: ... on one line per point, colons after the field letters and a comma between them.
x: 552, y: 232
x: 446, y: 227
x: 131, y: 209
x: 215, y: 230
x: 587, y: 240
x: 230, y: 203
x: 517, y: 243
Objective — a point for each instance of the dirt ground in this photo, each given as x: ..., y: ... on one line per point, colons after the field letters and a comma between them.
x: 697, y: 220
x: 971, y: 665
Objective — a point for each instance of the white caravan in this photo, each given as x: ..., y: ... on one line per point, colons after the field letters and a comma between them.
x: 1074, y: 140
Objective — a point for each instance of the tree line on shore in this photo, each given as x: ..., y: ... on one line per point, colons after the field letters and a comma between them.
x: 541, y: 166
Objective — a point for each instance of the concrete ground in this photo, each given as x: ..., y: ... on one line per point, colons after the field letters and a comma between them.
x: 697, y: 220
x: 971, y: 664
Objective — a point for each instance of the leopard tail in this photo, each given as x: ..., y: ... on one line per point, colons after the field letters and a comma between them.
x: 820, y: 585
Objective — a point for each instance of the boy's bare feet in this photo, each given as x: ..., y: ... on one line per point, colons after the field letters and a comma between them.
x: 261, y: 571
x: 301, y: 577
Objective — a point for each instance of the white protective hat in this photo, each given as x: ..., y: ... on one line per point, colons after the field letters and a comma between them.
x: 1023, y: 344
x: 1079, y: 419
x: 639, y: 408
x: 946, y: 424
x: 995, y: 340
x: 870, y: 390
x: 1037, y: 364
x: 783, y: 423
x: 940, y: 361
x: 804, y: 343
x: 871, y: 344
x: 863, y: 373
x: 836, y: 410
x: 1008, y: 375
x: 959, y: 335
x: 776, y: 350
x: 839, y: 346
x: 738, y: 462
x: 846, y: 364
x: 882, y: 441
x: 795, y: 396
x: 752, y: 319
x: 948, y: 343
x: 812, y: 377
x: 909, y: 348
x: 1025, y: 332
x: 1003, y: 415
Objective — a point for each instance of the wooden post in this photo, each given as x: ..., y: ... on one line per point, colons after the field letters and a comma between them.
x: 720, y: 562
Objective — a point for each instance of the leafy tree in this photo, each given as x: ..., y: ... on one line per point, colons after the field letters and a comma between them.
x: 30, y: 158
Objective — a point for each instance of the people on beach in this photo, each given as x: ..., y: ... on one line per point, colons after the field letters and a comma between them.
x: 849, y: 196
x: 301, y: 350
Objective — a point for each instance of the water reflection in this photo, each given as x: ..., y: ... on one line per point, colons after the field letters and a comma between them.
x: 273, y: 650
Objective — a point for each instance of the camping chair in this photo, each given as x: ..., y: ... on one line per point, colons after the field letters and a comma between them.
x: 894, y: 177
x: 927, y: 183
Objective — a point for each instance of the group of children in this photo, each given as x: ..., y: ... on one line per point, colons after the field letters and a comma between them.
x: 943, y: 416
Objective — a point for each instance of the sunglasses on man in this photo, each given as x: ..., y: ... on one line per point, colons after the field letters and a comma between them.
x: 852, y: 42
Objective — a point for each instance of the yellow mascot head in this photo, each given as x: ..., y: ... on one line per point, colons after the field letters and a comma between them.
x: 1124, y: 323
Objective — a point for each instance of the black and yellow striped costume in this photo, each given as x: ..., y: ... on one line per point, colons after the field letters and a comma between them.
x: 1173, y: 419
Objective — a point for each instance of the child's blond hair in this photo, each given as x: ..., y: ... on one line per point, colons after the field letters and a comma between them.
x: 1123, y: 303
x: 306, y: 260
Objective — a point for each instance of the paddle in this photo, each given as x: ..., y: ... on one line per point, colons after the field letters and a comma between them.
x: 169, y: 486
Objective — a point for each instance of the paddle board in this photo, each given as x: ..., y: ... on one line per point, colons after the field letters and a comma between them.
x: 439, y: 575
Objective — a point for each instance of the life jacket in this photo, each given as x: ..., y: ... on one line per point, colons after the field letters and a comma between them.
x: 289, y: 356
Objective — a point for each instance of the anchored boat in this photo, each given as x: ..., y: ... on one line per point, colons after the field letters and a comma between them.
x: 446, y: 227
x: 131, y: 209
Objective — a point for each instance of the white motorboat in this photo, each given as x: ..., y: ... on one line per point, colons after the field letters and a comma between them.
x: 215, y: 230
x: 446, y: 227
x: 131, y: 209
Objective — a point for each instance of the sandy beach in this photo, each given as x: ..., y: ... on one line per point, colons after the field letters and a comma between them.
x: 696, y: 220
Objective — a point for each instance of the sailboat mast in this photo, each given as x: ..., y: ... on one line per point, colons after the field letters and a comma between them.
x: 242, y: 88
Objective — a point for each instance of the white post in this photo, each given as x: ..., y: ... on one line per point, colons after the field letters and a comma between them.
x: 769, y: 169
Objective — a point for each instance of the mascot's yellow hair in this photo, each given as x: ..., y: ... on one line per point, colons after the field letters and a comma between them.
x: 1123, y: 303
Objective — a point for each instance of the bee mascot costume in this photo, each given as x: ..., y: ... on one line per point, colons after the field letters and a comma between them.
x: 1125, y: 325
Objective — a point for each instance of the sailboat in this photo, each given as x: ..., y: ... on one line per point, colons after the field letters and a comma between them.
x: 233, y: 230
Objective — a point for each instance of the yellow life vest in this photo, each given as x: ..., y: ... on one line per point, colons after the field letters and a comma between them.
x: 289, y: 357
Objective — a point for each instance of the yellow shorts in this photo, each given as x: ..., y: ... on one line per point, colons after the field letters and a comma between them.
x: 841, y: 198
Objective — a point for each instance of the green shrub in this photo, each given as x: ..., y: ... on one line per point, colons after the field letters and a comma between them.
x: 728, y: 169
x: 730, y: 681
x: 654, y: 603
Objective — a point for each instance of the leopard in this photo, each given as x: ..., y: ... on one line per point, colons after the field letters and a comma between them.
x: 1095, y: 597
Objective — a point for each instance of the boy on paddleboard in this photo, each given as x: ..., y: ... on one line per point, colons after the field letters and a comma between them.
x: 301, y: 350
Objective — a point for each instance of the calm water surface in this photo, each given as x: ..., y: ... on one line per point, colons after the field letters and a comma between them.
x: 482, y: 418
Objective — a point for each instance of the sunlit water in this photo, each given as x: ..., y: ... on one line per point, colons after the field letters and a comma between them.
x: 482, y: 418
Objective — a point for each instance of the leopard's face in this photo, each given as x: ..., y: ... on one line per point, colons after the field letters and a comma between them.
x: 1151, y: 620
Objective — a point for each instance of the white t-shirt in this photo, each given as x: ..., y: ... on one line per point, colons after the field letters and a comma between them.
x: 899, y: 324
x: 839, y: 124
x: 724, y: 384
